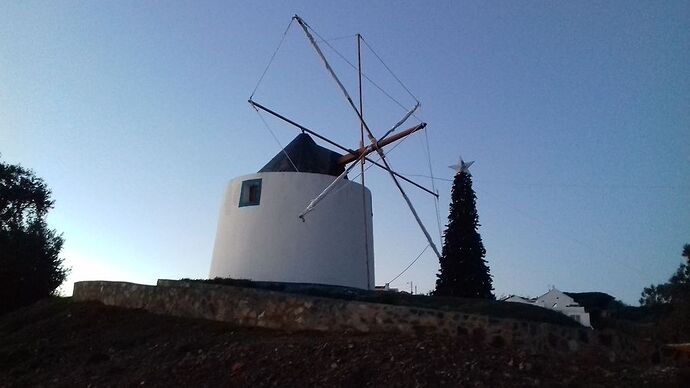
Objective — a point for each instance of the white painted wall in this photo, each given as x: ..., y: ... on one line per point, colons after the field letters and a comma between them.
x: 559, y: 301
x: 555, y: 299
x: 269, y: 242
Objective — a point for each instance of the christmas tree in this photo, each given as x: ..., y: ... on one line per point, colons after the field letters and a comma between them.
x: 464, y: 272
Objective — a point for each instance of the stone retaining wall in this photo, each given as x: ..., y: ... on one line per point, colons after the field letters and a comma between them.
x: 294, y: 312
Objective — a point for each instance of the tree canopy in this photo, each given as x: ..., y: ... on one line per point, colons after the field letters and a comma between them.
x: 30, y: 266
x: 675, y: 291
x: 464, y: 272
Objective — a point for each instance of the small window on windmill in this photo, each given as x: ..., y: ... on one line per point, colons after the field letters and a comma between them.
x: 251, y: 193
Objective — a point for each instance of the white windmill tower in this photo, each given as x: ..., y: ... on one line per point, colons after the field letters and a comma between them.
x: 263, y: 232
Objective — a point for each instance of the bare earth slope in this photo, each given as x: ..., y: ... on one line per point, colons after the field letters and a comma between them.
x: 61, y: 343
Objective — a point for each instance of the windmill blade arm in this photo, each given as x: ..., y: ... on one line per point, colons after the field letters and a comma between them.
x: 305, y: 28
x: 316, y: 47
x: 399, y: 123
x: 377, y: 164
x: 412, y: 209
x: 380, y: 144
x: 351, y: 153
x: 372, y: 139
x: 256, y: 105
x: 326, y: 191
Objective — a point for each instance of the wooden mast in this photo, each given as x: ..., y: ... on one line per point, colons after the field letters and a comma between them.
x: 302, y: 128
x: 354, y: 155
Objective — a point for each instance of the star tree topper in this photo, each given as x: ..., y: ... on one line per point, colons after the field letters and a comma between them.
x: 462, y: 166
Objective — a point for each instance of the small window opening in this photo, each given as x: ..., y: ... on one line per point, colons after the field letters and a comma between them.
x: 251, y: 192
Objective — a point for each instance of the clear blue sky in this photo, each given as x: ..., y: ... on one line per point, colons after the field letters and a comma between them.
x: 577, y: 114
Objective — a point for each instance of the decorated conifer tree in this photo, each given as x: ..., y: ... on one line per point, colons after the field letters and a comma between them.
x: 464, y: 272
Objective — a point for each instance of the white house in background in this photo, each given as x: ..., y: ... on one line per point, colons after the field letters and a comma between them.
x: 559, y: 301
x: 518, y: 299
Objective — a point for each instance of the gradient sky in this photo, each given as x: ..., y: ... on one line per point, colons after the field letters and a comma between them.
x: 577, y: 115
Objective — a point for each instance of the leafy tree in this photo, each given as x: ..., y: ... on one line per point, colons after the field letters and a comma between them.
x: 673, y: 300
x: 464, y: 272
x: 30, y: 266
x: 675, y: 291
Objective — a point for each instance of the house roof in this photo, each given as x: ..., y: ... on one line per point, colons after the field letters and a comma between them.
x: 307, y: 156
x: 590, y: 300
x: 514, y: 297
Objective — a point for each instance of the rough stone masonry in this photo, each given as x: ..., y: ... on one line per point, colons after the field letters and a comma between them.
x: 295, y: 312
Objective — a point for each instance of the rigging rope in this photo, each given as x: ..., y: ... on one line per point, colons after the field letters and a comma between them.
x: 338, y: 38
x: 400, y: 122
x: 275, y: 137
x: 327, y: 42
x: 410, y: 265
x: 270, y: 61
x: 564, y: 236
x: 328, y: 189
x: 567, y: 185
x: 364, y: 74
x: 390, y: 71
x: 433, y: 187
x: 369, y: 134
x: 568, y: 236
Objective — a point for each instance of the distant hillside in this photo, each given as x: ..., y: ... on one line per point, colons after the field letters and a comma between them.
x: 61, y: 343
x: 658, y: 321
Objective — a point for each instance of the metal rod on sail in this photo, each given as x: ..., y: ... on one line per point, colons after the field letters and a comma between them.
x: 327, y: 140
x: 377, y: 164
x: 301, y: 127
x: 346, y: 159
x: 361, y: 107
x: 361, y: 146
x: 325, y: 191
x: 399, y: 123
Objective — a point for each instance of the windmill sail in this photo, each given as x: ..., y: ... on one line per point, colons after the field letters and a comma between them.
x: 370, y: 135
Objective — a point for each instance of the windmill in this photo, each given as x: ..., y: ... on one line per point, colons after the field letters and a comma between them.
x: 269, y: 228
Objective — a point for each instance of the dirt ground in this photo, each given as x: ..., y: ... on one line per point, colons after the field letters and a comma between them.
x: 58, y: 342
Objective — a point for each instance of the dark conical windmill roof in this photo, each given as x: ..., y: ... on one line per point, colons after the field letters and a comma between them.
x: 307, y: 156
